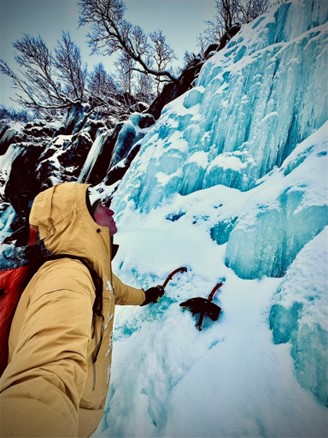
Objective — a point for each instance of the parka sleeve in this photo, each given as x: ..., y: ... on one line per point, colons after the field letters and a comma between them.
x: 127, y: 295
x: 43, y: 383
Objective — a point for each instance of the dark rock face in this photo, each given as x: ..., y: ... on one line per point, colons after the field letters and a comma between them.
x: 62, y: 159
x: 20, y: 188
x: 22, y: 184
x: 164, y: 98
x: 26, y: 142
x: 40, y: 161
x: 38, y: 130
x: 223, y: 41
x: 172, y: 90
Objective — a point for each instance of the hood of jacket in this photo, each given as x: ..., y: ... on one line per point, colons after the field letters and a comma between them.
x: 66, y: 226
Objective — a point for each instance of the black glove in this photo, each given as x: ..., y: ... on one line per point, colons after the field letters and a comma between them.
x: 153, y: 295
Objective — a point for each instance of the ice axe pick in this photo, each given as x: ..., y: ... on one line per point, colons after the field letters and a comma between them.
x: 203, y: 306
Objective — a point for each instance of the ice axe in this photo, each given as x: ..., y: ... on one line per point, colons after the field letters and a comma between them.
x: 203, y: 306
x: 155, y: 293
x: 172, y: 274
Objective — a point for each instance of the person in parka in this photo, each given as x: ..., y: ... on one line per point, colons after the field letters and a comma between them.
x: 60, y: 343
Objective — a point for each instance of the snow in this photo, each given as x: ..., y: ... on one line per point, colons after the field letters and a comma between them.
x: 168, y: 379
x: 230, y: 379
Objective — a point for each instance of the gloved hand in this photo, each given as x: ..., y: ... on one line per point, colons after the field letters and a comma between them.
x: 153, y: 295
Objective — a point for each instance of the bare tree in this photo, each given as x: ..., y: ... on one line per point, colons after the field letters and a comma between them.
x: 125, y: 72
x: 68, y: 63
x: 228, y: 13
x: 112, y: 33
x: 36, y: 85
x: 109, y: 93
x: 144, y: 88
x: 22, y: 115
x: 101, y: 85
x: 191, y: 58
x: 202, y: 43
x: 251, y: 9
x: 163, y: 54
x: 46, y: 82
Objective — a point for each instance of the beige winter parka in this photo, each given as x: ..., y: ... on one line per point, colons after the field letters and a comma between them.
x: 51, y: 386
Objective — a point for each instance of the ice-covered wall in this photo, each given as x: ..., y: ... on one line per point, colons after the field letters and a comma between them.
x: 286, y: 210
x: 301, y: 300
x: 243, y: 156
x: 255, y: 119
x: 254, y: 102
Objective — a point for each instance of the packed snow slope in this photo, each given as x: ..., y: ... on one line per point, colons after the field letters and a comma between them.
x: 231, y: 182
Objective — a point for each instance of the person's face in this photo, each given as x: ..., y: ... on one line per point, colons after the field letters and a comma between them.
x: 104, y: 217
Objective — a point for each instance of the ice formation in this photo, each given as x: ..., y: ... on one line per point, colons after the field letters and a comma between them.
x: 300, y: 316
x: 242, y: 157
x: 285, y: 211
x: 254, y: 102
x: 94, y: 152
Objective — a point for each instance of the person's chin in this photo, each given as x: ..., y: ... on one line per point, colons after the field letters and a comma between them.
x: 113, y: 229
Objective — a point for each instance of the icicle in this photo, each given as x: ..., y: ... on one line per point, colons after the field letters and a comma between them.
x: 93, y: 155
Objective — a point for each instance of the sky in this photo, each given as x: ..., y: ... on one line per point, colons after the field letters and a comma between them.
x: 180, y: 20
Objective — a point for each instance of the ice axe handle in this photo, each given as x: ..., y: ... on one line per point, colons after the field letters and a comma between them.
x: 212, y: 293
x: 199, y: 324
x: 210, y: 298
x: 172, y: 274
